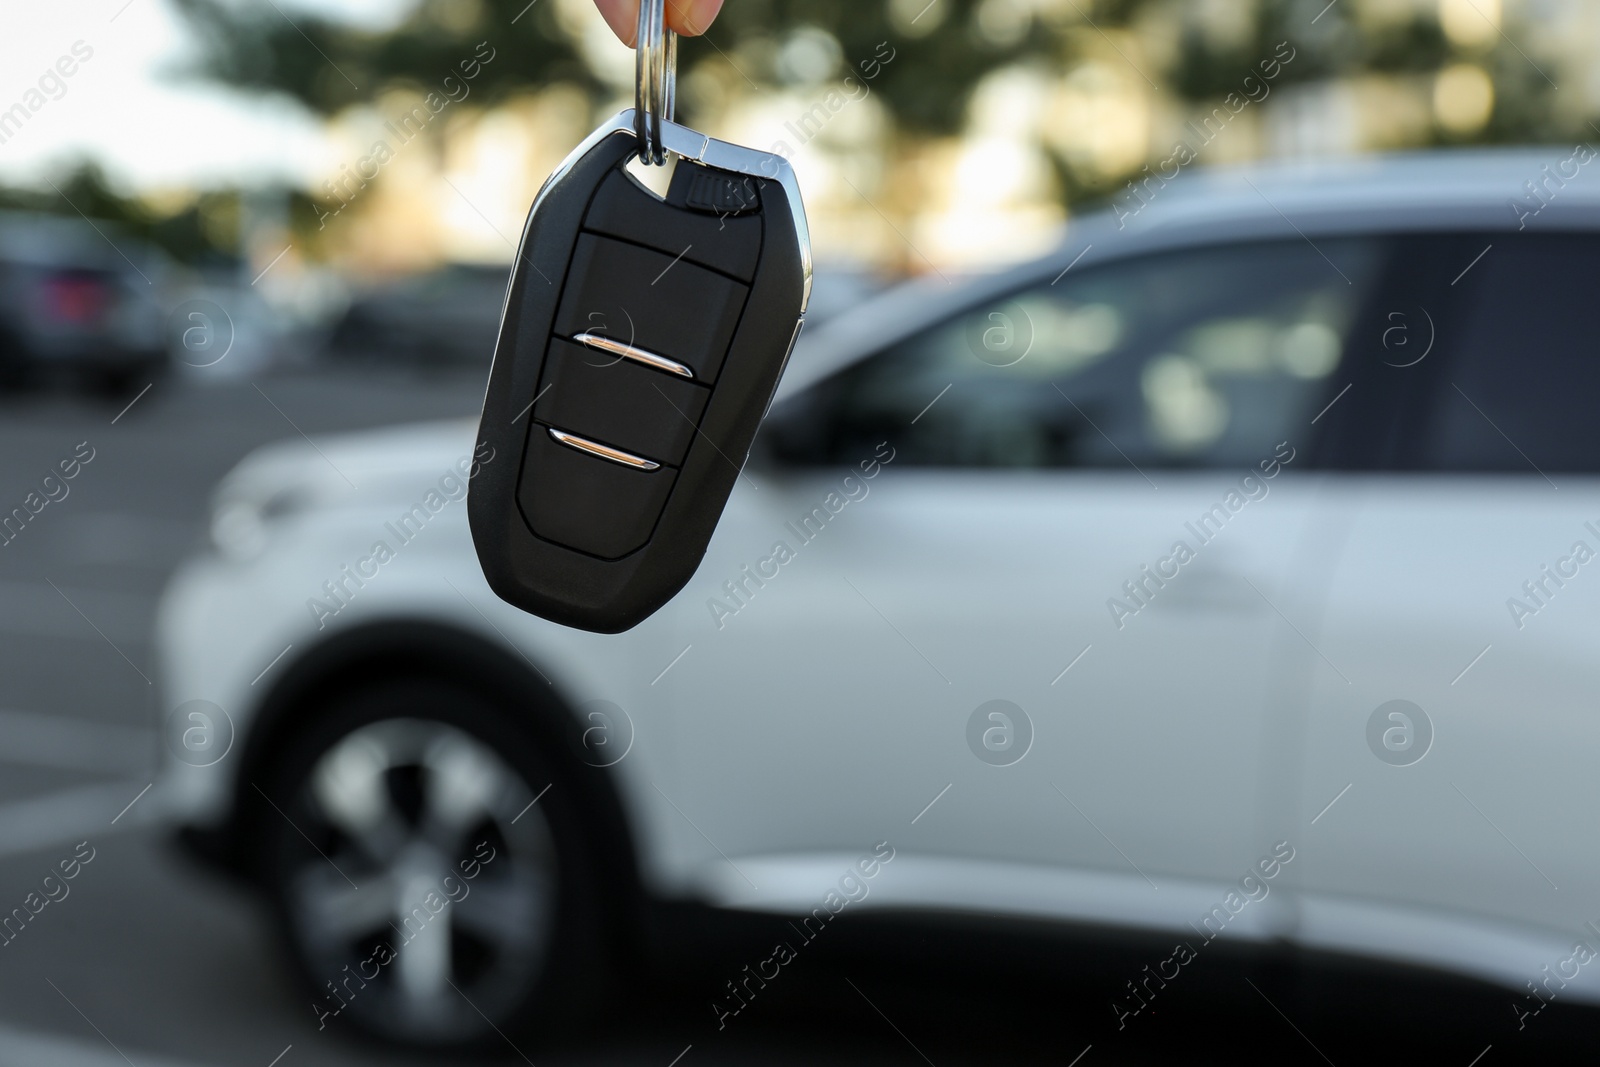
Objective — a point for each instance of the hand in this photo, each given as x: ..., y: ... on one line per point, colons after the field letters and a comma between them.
x: 688, y: 17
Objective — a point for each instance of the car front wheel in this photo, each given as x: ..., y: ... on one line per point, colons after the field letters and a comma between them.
x: 428, y: 871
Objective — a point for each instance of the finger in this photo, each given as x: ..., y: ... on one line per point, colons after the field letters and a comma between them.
x: 622, y: 16
x: 690, y: 18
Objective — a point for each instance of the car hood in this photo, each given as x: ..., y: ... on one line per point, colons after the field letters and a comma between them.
x: 370, y: 456
x: 362, y: 469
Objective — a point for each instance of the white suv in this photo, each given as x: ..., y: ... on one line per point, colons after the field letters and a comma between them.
x: 1221, y: 575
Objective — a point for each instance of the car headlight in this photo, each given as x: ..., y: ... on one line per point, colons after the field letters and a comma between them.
x: 241, y: 524
x: 237, y: 531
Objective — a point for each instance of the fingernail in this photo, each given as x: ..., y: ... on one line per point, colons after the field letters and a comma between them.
x: 692, y: 17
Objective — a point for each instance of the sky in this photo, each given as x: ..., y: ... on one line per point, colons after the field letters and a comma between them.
x: 129, y: 106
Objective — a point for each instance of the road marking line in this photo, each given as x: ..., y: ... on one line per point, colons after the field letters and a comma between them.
x: 101, y: 632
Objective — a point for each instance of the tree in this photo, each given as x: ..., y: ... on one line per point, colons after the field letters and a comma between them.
x: 327, y: 65
x: 1185, y: 50
x: 201, y: 233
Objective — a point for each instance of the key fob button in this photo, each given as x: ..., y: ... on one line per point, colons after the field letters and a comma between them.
x: 653, y: 301
x: 727, y: 240
x: 714, y: 192
x: 586, y: 502
x: 618, y: 401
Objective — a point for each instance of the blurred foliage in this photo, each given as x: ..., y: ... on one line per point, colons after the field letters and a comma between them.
x: 932, y: 73
x: 943, y: 47
x: 84, y: 190
x: 1196, y: 51
x: 329, y: 65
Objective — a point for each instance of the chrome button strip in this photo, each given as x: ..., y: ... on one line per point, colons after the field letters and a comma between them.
x: 595, y: 448
x: 638, y: 355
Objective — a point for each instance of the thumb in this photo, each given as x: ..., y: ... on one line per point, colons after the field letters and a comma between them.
x: 688, y: 17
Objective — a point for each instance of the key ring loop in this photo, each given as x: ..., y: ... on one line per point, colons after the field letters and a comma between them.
x: 655, y: 78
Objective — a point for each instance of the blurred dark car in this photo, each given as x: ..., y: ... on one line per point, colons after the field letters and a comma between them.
x: 448, y: 317
x: 78, y: 302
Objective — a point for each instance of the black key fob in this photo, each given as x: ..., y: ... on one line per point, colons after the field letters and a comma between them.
x: 642, y: 340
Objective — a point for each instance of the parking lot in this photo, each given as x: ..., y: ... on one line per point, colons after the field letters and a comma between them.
x: 182, y: 971
x: 148, y: 960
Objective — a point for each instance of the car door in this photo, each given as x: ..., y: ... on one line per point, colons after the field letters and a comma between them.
x: 1449, y: 789
x: 1017, y: 594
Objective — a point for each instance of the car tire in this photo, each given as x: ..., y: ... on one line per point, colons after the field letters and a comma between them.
x: 425, y: 789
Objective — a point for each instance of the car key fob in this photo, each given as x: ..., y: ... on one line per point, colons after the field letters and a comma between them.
x: 641, y: 342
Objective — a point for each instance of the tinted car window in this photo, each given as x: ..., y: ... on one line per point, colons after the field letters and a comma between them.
x: 1520, y: 382
x: 1198, y: 358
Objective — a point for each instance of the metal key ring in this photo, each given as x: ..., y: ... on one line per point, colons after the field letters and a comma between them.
x: 655, y: 77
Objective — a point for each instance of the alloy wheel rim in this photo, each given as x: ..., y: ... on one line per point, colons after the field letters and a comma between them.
x: 429, y: 911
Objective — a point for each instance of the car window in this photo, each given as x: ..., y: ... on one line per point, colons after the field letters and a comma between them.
x: 1199, y: 358
x: 1518, y: 390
